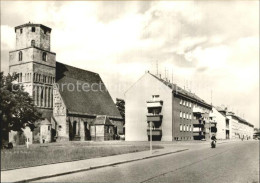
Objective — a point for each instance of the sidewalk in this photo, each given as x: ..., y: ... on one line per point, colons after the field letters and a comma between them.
x: 52, y: 170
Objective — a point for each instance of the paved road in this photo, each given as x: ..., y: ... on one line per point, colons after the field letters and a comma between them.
x: 236, y: 162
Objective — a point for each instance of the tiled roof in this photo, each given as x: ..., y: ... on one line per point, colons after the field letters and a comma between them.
x: 180, y: 90
x: 32, y: 24
x: 46, y: 113
x: 45, y: 122
x: 102, y: 120
x: 90, y: 102
x: 239, y: 119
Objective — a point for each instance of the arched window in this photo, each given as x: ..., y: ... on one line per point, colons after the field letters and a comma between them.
x: 20, y: 56
x: 42, y: 96
x: 44, y: 56
x: 33, y: 43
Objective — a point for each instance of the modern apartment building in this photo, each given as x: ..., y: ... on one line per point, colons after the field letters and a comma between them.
x: 171, y: 112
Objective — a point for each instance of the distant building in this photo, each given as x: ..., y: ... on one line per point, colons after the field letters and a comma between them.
x: 68, y: 112
x: 230, y: 125
x: 218, y: 115
x: 170, y: 112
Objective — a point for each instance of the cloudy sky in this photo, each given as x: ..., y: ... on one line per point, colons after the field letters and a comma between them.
x: 207, y: 45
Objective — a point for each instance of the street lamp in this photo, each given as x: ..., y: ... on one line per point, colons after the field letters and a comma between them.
x: 151, y: 138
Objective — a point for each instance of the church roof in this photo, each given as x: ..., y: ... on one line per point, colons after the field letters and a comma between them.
x: 102, y: 120
x: 45, y: 122
x: 75, y: 89
x: 32, y: 24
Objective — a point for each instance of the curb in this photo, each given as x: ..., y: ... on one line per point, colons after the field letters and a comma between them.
x: 101, y: 166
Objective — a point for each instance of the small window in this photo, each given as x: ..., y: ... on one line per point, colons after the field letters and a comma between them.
x: 180, y: 114
x: 180, y: 101
x: 33, y: 43
x: 44, y: 56
x: 45, y: 31
x: 21, y: 31
x: 20, y: 55
x: 33, y: 29
x: 181, y: 127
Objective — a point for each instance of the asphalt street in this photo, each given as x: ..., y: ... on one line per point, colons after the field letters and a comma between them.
x: 236, y: 162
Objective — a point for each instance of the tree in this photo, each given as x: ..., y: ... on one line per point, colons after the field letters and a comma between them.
x: 17, y: 109
x: 120, y: 104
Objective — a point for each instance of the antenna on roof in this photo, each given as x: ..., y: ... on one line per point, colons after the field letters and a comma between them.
x: 172, y: 74
x: 165, y: 72
x: 211, y: 97
x: 157, y: 68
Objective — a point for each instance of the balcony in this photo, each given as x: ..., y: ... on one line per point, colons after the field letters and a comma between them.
x: 197, y: 133
x: 197, y: 110
x: 197, y: 129
x: 213, y: 121
x: 154, y: 104
x: 198, y: 122
x: 154, y: 118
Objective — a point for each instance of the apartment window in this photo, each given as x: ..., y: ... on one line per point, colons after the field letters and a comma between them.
x: 20, y: 56
x: 190, y: 104
x: 181, y: 102
x: 184, y: 102
x: 181, y: 127
x: 33, y: 29
x: 21, y: 31
x: 180, y: 114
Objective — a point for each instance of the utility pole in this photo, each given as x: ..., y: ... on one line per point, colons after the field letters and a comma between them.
x: 151, y: 139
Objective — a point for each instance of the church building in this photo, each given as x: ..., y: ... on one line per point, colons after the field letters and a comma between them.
x: 69, y: 98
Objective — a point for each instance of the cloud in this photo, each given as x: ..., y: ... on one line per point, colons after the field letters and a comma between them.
x: 207, y: 44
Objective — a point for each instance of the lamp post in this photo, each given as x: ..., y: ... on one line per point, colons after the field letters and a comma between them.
x: 151, y: 138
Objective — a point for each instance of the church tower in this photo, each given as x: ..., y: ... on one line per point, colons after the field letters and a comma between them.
x: 35, y: 64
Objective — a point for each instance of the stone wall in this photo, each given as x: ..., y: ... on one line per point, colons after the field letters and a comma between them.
x: 25, y: 36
